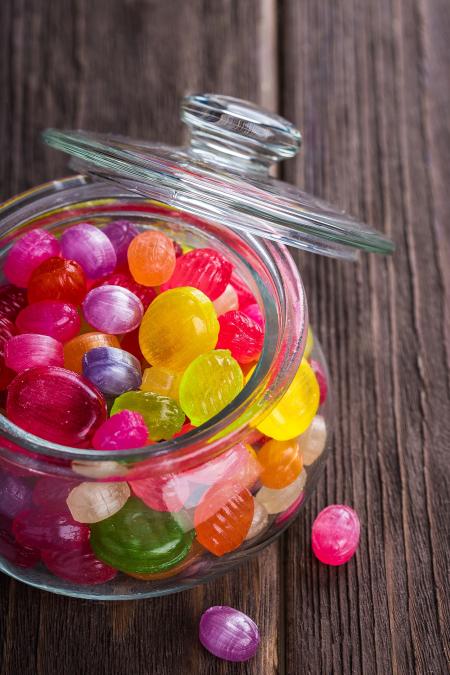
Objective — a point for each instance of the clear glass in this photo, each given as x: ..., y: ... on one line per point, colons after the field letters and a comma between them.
x: 41, y: 474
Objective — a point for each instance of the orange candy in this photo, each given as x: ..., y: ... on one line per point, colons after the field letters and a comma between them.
x: 151, y: 258
x: 281, y: 463
x: 75, y: 349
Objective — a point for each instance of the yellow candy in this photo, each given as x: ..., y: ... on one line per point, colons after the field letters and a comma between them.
x: 309, y: 344
x: 281, y: 463
x: 161, y: 382
x: 179, y: 325
x: 294, y: 412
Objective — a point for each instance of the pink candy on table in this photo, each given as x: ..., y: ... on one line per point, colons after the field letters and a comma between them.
x: 90, y: 248
x: 321, y: 380
x: 335, y: 534
x: 60, y: 320
x: 28, y: 350
x: 121, y: 233
x: 113, y: 309
x: 80, y: 566
x: 27, y: 253
x: 123, y: 431
x: 241, y: 335
x: 52, y: 529
x: 202, y: 268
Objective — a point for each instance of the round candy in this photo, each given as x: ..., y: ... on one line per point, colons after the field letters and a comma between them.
x: 28, y: 253
x: 151, y: 258
x: 321, y: 379
x: 254, y: 312
x: 55, y: 404
x: 192, y: 557
x: 228, y: 634
x: 75, y: 349
x: 52, y: 492
x: 29, y: 350
x: 202, y: 268
x: 241, y: 335
x: 120, y: 233
x: 281, y: 463
x: 113, y: 309
x: 227, y: 301
x: 57, y: 279
x: 260, y: 521
x: 15, y: 495
x: 294, y: 412
x: 59, y: 320
x: 80, y: 566
x: 335, y: 534
x: 7, y: 331
x: 209, y: 384
x: 55, y: 530
x: 138, y: 539
x: 145, y: 294
x: 93, y: 502
x: 161, y: 382
x: 12, y: 300
x: 89, y: 247
x: 163, y: 416
x: 312, y: 442
x: 179, y: 325
x: 15, y: 553
x: 114, y: 371
x: 122, y: 431
x: 245, y: 296
x: 276, y: 501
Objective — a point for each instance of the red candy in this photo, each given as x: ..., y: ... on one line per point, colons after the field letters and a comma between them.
x: 57, y: 279
x: 7, y: 331
x: 145, y: 293
x: 130, y: 343
x: 52, y: 492
x: 241, y: 335
x: 54, y: 530
x: 321, y: 380
x: 59, y: 320
x: 22, y: 556
x: 80, y: 566
x: 254, y: 312
x: 202, y: 268
x: 12, y: 300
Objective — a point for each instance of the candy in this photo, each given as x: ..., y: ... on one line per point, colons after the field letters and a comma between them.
x: 335, y: 534
x: 161, y: 382
x: 15, y: 553
x: 55, y: 404
x: 138, y: 539
x: 57, y: 279
x: 114, y: 371
x: 7, y: 331
x: 309, y: 344
x: 124, y: 430
x: 254, y: 313
x: 29, y: 350
x: 291, y: 510
x: 179, y: 325
x: 276, y: 501
x: 100, y: 470
x: 227, y: 301
x: 151, y: 258
x: 112, y: 309
x: 120, y: 233
x: 228, y: 634
x: 55, y: 530
x: 15, y: 495
x: 208, y: 384
x: 163, y: 416
x: 260, y: 520
x: 312, y: 442
x: 239, y: 463
x: 321, y: 380
x: 28, y: 253
x: 75, y: 349
x: 52, y: 492
x: 80, y: 566
x: 245, y: 296
x: 192, y: 557
x: 12, y: 300
x: 241, y: 335
x: 294, y: 412
x: 223, y: 517
x: 202, y: 268
x: 130, y: 342
x: 93, y: 502
x: 59, y: 320
x: 281, y: 463
x: 168, y: 493
x: 145, y: 294
x: 89, y: 247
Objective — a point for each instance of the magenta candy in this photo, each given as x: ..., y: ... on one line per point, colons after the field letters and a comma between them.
x: 120, y: 233
x: 54, y: 530
x: 12, y: 300
x: 113, y: 309
x: 241, y: 335
x: 123, y: 431
x: 335, y: 534
x: 15, y: 553
x: 321, y: 380
x: 7, y: 331
x: 80, y: 566
x: 228, y: 633
x: 254, y: 312
x: 15, y: 495
x: 90, y: 248
x: 202, y: 268
x: 28, y: 253
x: 28, y: 350
x: 57, y: 319
x: 52, y: 492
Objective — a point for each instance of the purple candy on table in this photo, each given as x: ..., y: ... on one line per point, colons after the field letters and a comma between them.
x: 27, y: 253
x: 121, y: 233
x: 15, y: 495
x: 228, y: 633
x: 31, y: 349
x: 60, y: 320
x: 113, y: 309
x: 114, y: 371
x: 90, y: 248
x: 123, y: 431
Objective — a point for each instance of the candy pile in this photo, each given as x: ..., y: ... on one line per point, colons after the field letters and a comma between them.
x: 114, y: 339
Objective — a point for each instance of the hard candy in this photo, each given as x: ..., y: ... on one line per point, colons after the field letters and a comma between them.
x: 276, y: 501
x: 114, y: 371
x: 335, y: 534
x: 151, y: 258
x: 29, y: 350
x: 260, y: 521
x: 93, y: 502
x: 312, y: 443
x: 57, y: 319
x: 54, y: 530
x: 27, y: 253
x: 163, y: 416
x: 90, y: 248
x: 75, y: 349
x: 57, y: 279
x: 123, y: 431
x: 80, y: 566
x: 243, y: 336
x: 280, y: 462
x: 229, y: 634
x: 227, y: 301
x: 145, y: 294
x: 161, y: 382
x: 121, y: 233
x: 202, y: 268
x: 112, y: 309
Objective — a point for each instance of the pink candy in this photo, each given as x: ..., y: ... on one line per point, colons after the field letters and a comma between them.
x: 30, y: 349
x: 254, y: 312
x: 28, y: 253
x: 125, y: 430
x: 60, y: 320
x: 335, y: 534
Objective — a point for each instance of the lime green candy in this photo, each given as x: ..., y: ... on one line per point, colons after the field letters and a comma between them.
x: 137, y: 539
x: 208, y: 384
x: 163, y: 416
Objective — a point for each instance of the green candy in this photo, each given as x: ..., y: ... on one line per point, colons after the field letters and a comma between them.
x: 138, y: 539
x: 163, y: 416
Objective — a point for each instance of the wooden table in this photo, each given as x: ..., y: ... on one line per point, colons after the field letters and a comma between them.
x: 367, y: 83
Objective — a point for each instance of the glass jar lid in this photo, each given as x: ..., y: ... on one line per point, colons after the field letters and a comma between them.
x: 223, y: 175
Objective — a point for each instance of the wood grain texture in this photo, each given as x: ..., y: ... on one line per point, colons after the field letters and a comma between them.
x: 367, y: 82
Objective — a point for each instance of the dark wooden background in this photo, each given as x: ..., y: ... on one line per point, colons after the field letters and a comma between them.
x: 367, y: 81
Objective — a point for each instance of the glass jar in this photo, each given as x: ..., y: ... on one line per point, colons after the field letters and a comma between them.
x: 180, y: 511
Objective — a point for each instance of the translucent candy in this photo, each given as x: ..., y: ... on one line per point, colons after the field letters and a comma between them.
x: 15, y: 553
x: 163, y: 416
x: 114, y: 371
x: 138, y: 539
x: 12, y: 300
x: 75, y: 349
x: 229, y: 634
x: 321, y: 378
x: 151, y: 258
x: 54, y: 529
x: 29, y: 350
x: 192, y: 557
x: 179, y: 325
x: 169, y: 493
x: 113, y: 309
x: 202, y: 268
x: 80, y: 566
x: 309, y: 344
x: 89, y: 247
x: 7, y: 331
x: 227, y: 301
x: 123, y: 431
x: 260, y: 521
x: 335, y: 534
x: 55, y: 404
x: 161, y: 382
x: 208, y: 384
x: 120, y: 233
x: 276, y: 501
x: 312, y: 443
x: 241, y: 335
x: 93, y: 502
x: 245, y: 296
x: 238, y: 464
x: 281, y: 463
x: 59, y: 320
x: 254, y: 312
x: 291, y: 510
x: 57, y: 279
x: 145, y: 294
x: 99, y: 470
x: 15, y: 494
x: 130, y: 342
x: 52, y: 491
x: 27, y: 253
x: 294, y: 412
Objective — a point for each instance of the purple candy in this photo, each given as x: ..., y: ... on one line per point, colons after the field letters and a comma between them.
x: 15, y: 495
x: 27, y: 254
x: 90, y: 248
x: 125, y: 430
x: 228, y: 633
x: 120, y: 233
x: 114, y: 371
x: 113, y: 309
